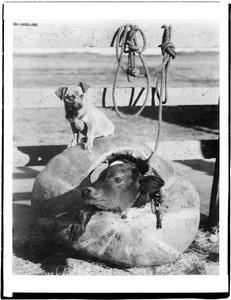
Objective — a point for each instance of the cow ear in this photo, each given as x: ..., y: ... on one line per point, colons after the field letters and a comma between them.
x: 61, y: 91
x: 150, y: 184
x: 84, y: 86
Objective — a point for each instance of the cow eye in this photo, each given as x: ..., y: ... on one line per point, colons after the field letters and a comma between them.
x: 118, y: 180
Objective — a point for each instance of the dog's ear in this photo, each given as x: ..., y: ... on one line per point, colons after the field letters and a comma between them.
x: 60, y: 92
x: 84, y: 86
x: 150, y: 184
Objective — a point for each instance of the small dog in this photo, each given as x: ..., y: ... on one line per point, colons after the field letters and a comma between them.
x: 83, y: 116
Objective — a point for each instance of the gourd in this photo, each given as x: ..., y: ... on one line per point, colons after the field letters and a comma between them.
x: 128, y: 239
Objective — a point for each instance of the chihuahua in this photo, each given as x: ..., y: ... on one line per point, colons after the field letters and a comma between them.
x: 84, y: 118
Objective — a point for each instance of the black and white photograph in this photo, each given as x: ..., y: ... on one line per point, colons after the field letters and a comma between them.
x: 117, y: 120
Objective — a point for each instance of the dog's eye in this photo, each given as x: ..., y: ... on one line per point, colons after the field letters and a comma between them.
x: 69, y: 98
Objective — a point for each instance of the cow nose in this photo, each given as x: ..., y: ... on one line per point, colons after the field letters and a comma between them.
x: 89, y: 191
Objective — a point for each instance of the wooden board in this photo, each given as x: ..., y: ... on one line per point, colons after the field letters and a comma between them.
x: 185, y: 35
x: 27, y: 98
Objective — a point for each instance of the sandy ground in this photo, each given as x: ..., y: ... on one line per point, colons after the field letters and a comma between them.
x: 49, y: 126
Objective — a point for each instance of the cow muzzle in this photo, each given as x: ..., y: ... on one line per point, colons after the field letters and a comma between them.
x: 90, y: 195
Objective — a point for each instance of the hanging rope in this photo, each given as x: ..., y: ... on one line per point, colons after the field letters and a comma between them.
x: 126, y: 42
x: 168, y: 52
x: 126, y: 38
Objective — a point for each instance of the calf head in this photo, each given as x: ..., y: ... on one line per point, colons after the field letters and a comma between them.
x: 73, y: 95
x: 119, y: 186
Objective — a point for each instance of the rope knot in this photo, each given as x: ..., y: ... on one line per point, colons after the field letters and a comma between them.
x: 131, y: 40
x: 132, y: 47
x: 133, y: 71
x: 169, y: 48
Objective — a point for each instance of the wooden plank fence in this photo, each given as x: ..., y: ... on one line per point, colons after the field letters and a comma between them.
x: 44, y: 98
x: 185, y: 35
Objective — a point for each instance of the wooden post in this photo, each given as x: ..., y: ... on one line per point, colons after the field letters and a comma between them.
x: 214, y: 200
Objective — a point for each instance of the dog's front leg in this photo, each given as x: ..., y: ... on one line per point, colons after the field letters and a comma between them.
x: 75, y: 140
x: 89, y: 136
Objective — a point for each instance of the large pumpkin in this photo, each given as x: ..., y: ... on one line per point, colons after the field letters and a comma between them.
x: 131, y: 240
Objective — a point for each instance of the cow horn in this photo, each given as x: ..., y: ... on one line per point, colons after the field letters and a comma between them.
x: 128, y: 151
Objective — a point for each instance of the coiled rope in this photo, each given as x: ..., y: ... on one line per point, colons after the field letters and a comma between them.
x: 126, y: 38
x: 126, y: 42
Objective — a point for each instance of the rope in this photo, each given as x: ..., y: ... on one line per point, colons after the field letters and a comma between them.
x: 168, y: 52
x: 126, y: 42
x: 131, y: 70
